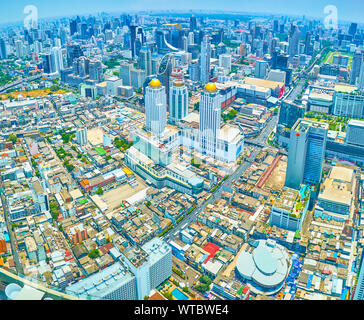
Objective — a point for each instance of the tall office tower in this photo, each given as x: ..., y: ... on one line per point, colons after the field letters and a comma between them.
x: 275, y: 26
x: 73, y: 27
x: 81, y: 136
x: 132, y: 40
x: 352, y: 29
x: 355, y: 132
x: 19, y: 52
x: 308, y: 46
x: 95, y: 70
x: 160, y: 261
x: 155, y: 108
x: 151, y: 264
x: 57, y: 59
x: 355, y: 67
x: 306, y: 153
x: 261, y: 69
x: 124, y: 73
x: 361, y: 76
x: 166, y: 67
x: 205, y: 60
x: 225, y: 61
x: 193, y: 23
x: 84, y: 32
x: 191, y: 38
x: 74, y: 51
x: 210, y: 117
x: 145, y: 60
x: 194, y: 71
x: 289, y: 113
x: 47, y: 63
x: 155, y: 65
x: 178, y: 101
x: 3, y: 54
x: 137, y: 77
x: 293, y: 41
x: 184, y: 43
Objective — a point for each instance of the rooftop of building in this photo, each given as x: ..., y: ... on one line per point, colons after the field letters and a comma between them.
x: 302, y: 125
x: 102, y: 283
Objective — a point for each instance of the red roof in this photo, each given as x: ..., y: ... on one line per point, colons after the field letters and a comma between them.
x: 211, y: 249
x: 106, y: 247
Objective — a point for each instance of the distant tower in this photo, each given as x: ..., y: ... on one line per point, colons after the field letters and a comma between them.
x: 178, y: 101
x: 155, y: 108
x: 210, y: 117
x: 307, y: 146
x: 205, y: 59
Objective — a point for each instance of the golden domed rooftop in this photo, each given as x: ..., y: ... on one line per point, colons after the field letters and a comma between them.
x: 155, y: 83
x: 210, y: 87
x: 178, y: 83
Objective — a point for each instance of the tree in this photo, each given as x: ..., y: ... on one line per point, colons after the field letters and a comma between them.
x: 93, y: 254
x: 99, y: 191
x: 13, y: 138
x: 205, y: 280
x: 53, y: 206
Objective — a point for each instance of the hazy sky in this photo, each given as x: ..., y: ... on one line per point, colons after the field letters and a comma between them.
x: 12, y: 10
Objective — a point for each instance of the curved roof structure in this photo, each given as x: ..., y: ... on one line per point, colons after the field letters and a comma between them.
x: 266, y: 266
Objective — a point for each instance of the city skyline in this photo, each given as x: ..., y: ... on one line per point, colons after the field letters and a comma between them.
x: 348, y: 11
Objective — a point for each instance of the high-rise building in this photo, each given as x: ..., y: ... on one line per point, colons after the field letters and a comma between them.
x: 115, y: 282
x: 289, y: 113
x: 210, y: 117
x: 355, y: 132
x: 355, y: 67
x: 137, y: 77
x: 145, y: 60
x: 225, y: 61
x: 151, y: 264
x: 57, y: 59
x: 294, y: 40
x: 261, y: 69
x: 133, y: 32
x: 155, y: 108
x: 306, y: 153
x: 193, y: 23
x: 194, y: 71
x: 348, y: 104
x: 124, y: 73
x: 361, y: 76
x: 3, y: 53
x: 352, y: 29
x: 81, y: 136
x: 178, y: 101
x: 205, y: 60
x: 95, y: 70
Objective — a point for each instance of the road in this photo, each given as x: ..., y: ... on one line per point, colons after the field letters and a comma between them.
x: 226, y: 183
x: 14, y: 250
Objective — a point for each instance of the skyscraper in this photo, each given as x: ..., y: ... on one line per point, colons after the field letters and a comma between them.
x: 81, y: 136
x: 306, y: 153
x: 57, y: 59
x: 124, y: 73
x: 155, y: 108
x: 210, y: 117
x: 294, y: 40
x: 356, y: 64
x: 205, y: 60
x: 145, y: 60
x: 3, y: 53
x: 178, y: 101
